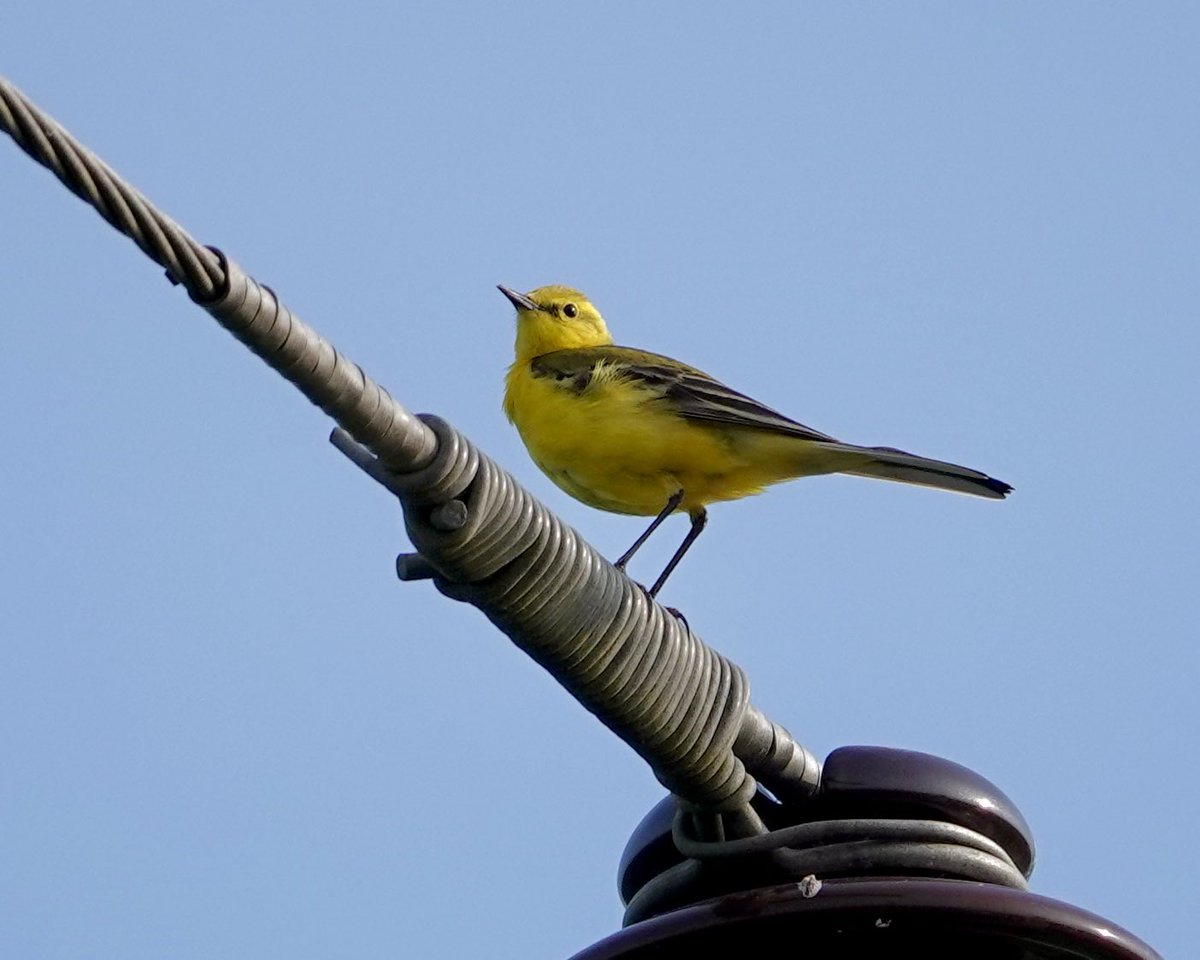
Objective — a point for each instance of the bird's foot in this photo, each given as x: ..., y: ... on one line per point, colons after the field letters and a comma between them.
x: 678, y: 615
x: 673, y: 611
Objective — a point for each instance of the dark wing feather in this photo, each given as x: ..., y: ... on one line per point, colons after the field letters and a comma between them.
x: 692, y: 393
x: 695, y: 395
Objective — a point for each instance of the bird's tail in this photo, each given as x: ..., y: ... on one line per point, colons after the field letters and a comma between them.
x: 888, y: 463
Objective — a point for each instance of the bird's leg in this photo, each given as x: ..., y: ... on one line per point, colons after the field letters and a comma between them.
x: 699, y: 519
x: 672, y: 503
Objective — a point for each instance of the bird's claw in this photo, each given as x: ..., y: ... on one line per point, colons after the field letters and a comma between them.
x: 673, y: 611
x: 678, y: 615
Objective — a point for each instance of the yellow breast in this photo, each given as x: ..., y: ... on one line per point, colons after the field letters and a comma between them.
x: 617, y: 447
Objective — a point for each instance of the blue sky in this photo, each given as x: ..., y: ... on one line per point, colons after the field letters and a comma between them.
x: 966, y: 230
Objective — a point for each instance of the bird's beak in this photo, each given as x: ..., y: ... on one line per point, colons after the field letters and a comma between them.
x: 519, y: 300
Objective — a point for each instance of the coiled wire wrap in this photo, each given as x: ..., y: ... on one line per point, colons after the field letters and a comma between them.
x: 825, y: 849
x: 862, y: 847
x: 677, y: 702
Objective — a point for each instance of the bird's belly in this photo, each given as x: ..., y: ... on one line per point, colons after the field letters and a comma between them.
x: 620, y: 452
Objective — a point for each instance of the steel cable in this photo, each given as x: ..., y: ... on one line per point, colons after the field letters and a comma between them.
x: 484, y: 538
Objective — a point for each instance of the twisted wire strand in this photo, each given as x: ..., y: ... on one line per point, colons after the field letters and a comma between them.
x: 93, y: 181
x: 680, y: 704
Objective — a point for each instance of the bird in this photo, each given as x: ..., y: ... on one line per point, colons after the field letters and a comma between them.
x: 639, y: 433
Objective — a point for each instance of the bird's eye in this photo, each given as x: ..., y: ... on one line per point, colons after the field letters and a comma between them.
x: 570, y: 311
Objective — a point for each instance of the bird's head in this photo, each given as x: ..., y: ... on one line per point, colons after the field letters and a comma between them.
x: 555, y: 318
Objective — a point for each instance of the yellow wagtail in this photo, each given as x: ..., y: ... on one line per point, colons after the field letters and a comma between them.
x: 638, y: 433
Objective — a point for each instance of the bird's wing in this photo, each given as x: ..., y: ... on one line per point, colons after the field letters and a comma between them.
x: 694, y: 395
x: 691, y: 393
